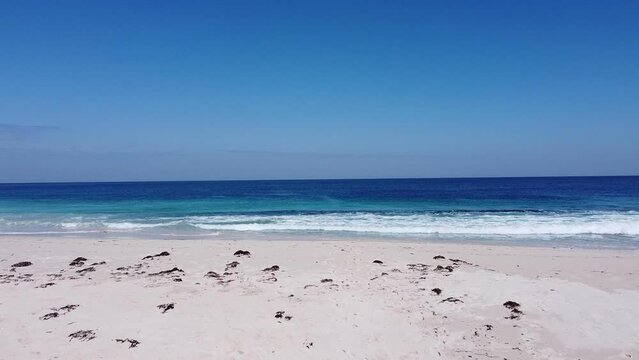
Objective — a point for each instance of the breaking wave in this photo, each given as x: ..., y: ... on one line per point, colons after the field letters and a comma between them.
x: 430, y: 223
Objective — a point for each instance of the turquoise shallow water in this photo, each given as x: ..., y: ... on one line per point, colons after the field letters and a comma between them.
x: 579, y: 211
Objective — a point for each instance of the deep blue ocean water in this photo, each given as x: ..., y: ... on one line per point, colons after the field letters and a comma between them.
x: 574, y: 211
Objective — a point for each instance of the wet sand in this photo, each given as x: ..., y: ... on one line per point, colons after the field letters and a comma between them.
x: 72, y: 298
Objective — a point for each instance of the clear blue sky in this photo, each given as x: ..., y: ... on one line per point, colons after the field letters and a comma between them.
x: 179, y: 90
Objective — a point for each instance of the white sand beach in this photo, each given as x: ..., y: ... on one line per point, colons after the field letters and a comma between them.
x: 320, y: 299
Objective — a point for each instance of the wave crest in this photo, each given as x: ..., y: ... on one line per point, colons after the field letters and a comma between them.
x: 465, y: 223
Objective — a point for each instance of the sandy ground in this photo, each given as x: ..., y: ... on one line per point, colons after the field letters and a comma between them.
x: 333, y: 300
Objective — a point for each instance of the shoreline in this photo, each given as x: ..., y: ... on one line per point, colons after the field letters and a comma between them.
x: 576, y: 303
x: 234, y: 235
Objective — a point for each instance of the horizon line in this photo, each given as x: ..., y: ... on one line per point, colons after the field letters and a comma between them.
x: 311, y: 179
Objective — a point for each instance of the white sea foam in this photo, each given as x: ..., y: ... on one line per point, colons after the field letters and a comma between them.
x: 526, y: 224
x: 138, y: 225
x: 462, y: 224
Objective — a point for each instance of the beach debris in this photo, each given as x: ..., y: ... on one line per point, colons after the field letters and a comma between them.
x: 444, y: 268
x: 439, y: 257
x: 86, y: 270
x: 58, y: 312
x: 488, y: 327
x: 167, y: 272
x: 82, y: 335
x: 50, y: 316
x: 220, y: 278
x: 231, y: 265
x: 323, y: 281
x: 511, y: 305
x: 132, y: 342
x: 437, y: 291
x: 166, y: 307
x: 459, y: 261
x: 79, y: 261
x: 515, y: 313
x: 308, y: 344
x: 272, y: 268
x: 45, y: 285
x: 212, y: 274
x: 151, y: 257
x: 135, y: 269
x: 25, y: 277
x: 378, y: 262
x: 280, y: 315
x: 177, y: 279
x: 269, y: 279
x: 309, y: 286
x: 423, y: 268
x: 67, y: 308
x: 15, y: 278
x: 242, y: 253
x: 380, y: 275
x: 452, y: 299
x: 22, y: 264
x: 6, y: 278
x: 99, y: 263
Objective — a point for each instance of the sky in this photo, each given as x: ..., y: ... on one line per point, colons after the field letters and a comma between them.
x: 216, y: 90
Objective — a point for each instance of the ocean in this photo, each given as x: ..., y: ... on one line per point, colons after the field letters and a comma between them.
x: 554, y: 211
